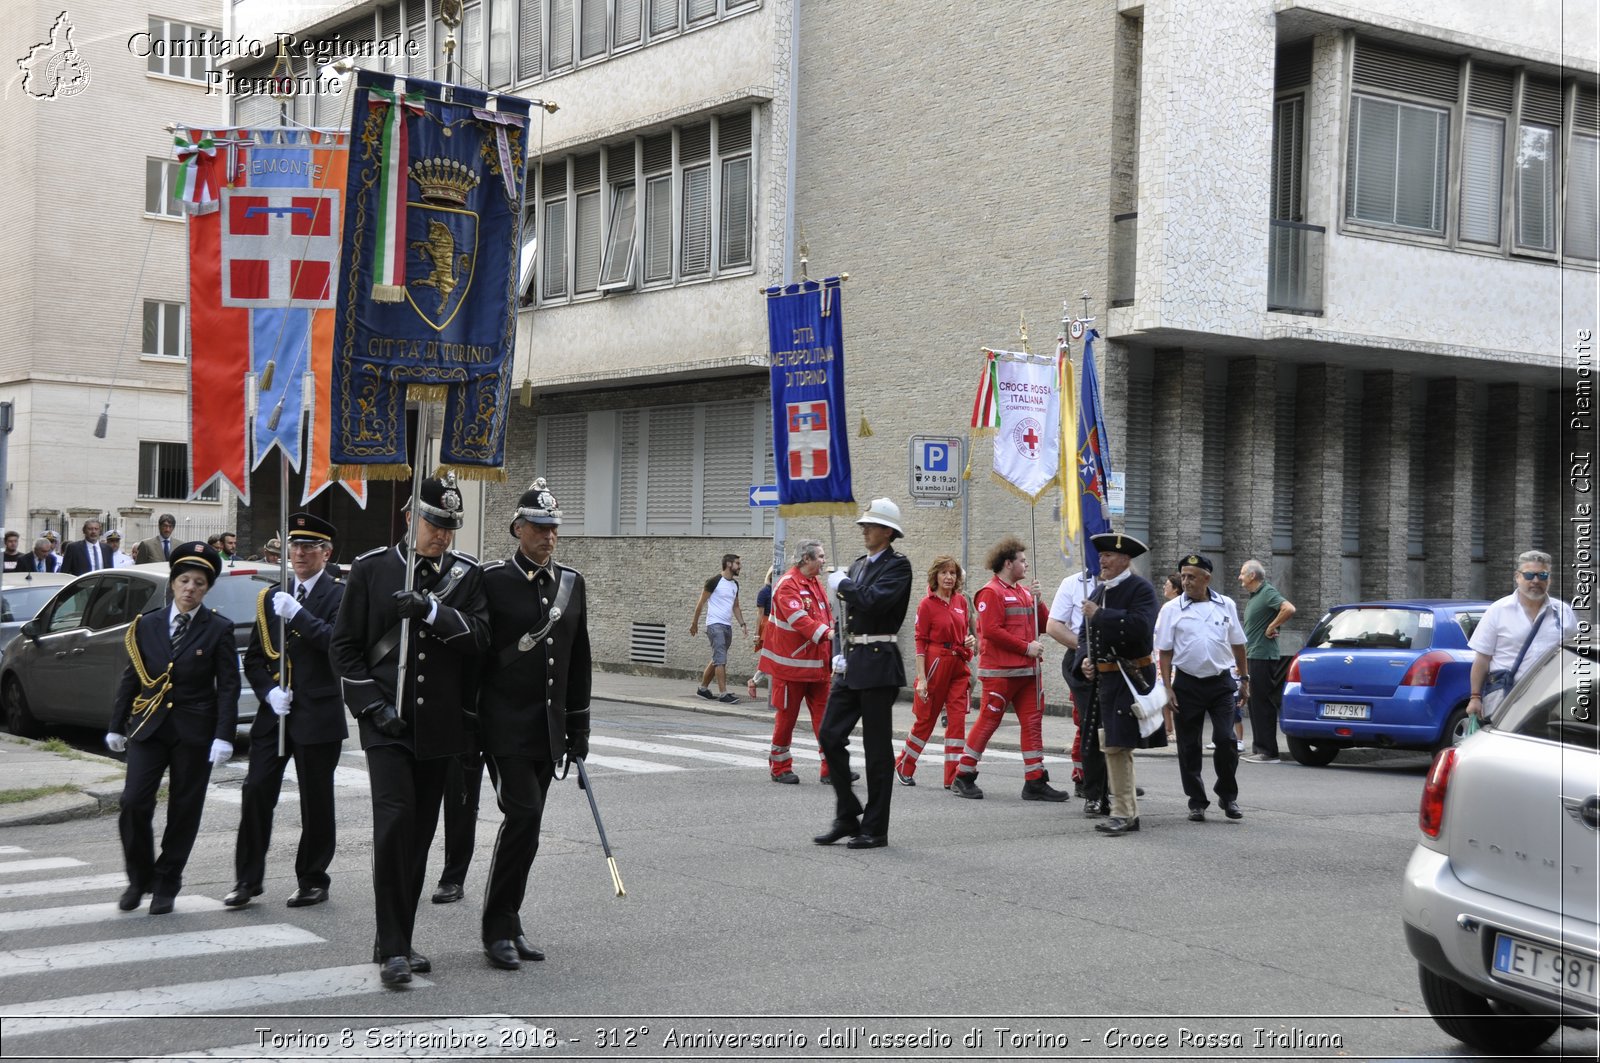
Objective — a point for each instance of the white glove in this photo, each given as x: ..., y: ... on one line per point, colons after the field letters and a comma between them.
x: 834, y: 579
x: 279, y: 699
x: 285, y: 605
x: 115, y: 742
x: 220, y: 752
x: 838, y: 664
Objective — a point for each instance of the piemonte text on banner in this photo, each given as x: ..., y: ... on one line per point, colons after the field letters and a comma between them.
x: 265, y: 213
x: 1026, y: 420
x: 427, y: 287
x: 811, y: 449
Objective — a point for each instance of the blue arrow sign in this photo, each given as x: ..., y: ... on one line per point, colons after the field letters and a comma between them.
x: 763, y: 495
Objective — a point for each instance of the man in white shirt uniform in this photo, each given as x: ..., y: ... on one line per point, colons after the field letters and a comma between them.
x: 1499, y: 637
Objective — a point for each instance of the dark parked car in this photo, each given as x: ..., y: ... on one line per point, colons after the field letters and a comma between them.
x: 24, y: 595
x: 1389, y: 674
x: 64, y: 666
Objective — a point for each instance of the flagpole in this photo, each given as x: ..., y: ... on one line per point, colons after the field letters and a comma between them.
x: 284, y: 682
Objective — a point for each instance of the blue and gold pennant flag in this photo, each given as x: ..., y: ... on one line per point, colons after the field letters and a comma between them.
x: 428, y: 275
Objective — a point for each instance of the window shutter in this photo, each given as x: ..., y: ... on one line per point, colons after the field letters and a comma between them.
x: 152, y: 327
x: 587, y: 243
x: 1395, y: 170
x: 249, y: 111
x: 694, y: 143
x: 669, y: 471
x: 1424, y: 151
x: 1482, y: 158
x: 594, y: 29
x: 658, y: 153
x: 658, y: 229
x: 735, y: 213
x: 1491, y: 88
x: 1536, y: 203
x: 733, y: 133
x: 1214, y: 478
x: 555, y: 248
x: 730, y: 430
x: 1581, y: 216
x: 619, y: 162
x: 172, y: 330
x: 560, y: 34
x: 699, y: 10
x: 530, y: 49
x: 389, y: 30
x: 1294, y: 67
x: 628, y: 466
x: 696, y: 221
x: 1586, y: 111
x: 663, y: 16
x: 630, y: 24
x: 1284, y: 472
x: 1287, y: 140
x: 1414, y: 73
x: 1416, y: 524
x: 1141, y: 396
x: 469, y: 55
x: 1369, y: 164
x: 566, y: 440
x: 586, y: 172
x: 1541, y: 101
x: 501, y: 16
x: 417, y: 30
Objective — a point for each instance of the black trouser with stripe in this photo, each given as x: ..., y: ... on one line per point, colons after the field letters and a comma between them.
x: 520, y: 786
x: 405, y: 813
x: 314, y: 764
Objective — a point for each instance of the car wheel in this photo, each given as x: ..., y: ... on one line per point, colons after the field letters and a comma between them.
x: 1492, y: 1026
x: 18, y: 719
x: 1311, y: 754
x: 1454, y: 731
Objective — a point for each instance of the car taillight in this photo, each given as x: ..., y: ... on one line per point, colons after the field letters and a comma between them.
x: 1294, y: 670
x: 1424, y: 671
x: 1430, y: 817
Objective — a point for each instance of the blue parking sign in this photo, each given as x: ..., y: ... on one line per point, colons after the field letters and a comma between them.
x: 936, y: 457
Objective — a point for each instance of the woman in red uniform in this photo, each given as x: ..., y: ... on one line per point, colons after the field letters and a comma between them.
x: 944, y: 646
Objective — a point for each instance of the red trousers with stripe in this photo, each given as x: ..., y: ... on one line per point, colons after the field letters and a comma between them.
x: 1020, y: 692
x: 786, y: 697
x: 949, y: 689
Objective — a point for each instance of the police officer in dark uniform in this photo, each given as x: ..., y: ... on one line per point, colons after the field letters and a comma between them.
x: 303, y: 694
x: 876, y: 593
x: 410, y: 733
x: 175, y: 714
x: 1117, y: 634
x: 534, y: 706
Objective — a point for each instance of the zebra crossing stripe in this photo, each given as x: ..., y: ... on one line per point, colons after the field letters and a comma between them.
x: 53, y: 958
x: 252, y: 993
x: 43, y: 863
x: 11, y: 850
x: 82, y: 914
x: 763, y: 745
x: 485, y: 1036
x: 677, y: 751
x: 63, y: 885
x: 637, y: 767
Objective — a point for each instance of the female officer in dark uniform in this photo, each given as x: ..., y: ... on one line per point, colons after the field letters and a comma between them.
x: 177, y: 708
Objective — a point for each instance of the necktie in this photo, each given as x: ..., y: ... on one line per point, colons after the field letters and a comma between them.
x: 300, y: 594
x: 93, y: 550
x: 166, y: 549
x: 179, y: 628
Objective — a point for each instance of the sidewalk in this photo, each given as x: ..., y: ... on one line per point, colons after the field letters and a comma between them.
x: 52, y: 782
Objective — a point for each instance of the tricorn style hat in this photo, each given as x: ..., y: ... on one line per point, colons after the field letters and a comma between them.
x: 309, y: 528
x: 1195, y: 561
x: 536, y: 506
x: 440, y: 502
x: 1116, y: 543
x: 198, y: 556
x: 884, y: 512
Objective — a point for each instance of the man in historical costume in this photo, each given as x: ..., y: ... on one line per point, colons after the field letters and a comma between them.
x: 300, y: 688
x: 410, y: 733
x: 796, y: 650
x: 534, y: 708
x: 1117, y: 635
x: 876, y: 593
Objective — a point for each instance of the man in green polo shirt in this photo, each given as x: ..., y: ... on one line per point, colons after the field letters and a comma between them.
x: 1264, y: 614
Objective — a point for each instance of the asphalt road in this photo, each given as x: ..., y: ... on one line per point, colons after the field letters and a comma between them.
x: 1266, y: 938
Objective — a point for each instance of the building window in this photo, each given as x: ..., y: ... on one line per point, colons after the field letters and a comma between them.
x: 164, y: 473
x: 180, y: 50
x: 554, y: 36
x: 1396, y: 165
x: 160, y: 186
x: 1536, y: 169
x: 164, y: 332
x: 1582, y: 218
x: 1482, y: 166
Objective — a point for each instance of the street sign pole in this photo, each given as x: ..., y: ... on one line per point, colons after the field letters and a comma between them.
x: 7, y: 412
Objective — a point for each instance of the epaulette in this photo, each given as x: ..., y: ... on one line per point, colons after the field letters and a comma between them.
x: 374, y: 552
x: 468, y: 558
x: 494, y: 564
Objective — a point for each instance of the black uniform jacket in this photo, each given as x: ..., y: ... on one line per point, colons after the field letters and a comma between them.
x: 441, y: 686
x: 201, y: 695
x: 876, y: 597
x: 317, y: 713
x: 532, y: 701
x: 1124, y: 627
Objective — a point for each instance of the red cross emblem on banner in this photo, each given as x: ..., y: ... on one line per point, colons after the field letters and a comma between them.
x: 808, y: 440
x: 279, y: 246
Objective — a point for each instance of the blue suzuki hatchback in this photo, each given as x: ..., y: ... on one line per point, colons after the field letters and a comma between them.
x: 1392, y: 674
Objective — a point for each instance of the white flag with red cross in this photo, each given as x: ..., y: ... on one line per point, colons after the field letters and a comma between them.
x: 1027, y: 442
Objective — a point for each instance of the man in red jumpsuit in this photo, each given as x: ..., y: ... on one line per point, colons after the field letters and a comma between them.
x: 1009, y: 651
x: 797, y: 651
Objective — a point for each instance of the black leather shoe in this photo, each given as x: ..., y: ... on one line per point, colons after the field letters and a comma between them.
x: 788, y: 778
x: 503, y: 954
x: 1197, y: 815
x: 395, y: 971
x: 867, y: 841
x: 420, y: 964
x: 526, y: 950
x: 1138, y: 791
x: 240, y: 895
x: 1096, y: 809
x: 842, y: 828
x: 1116, y: 826
x: 966, y: 786
x: 448, y: 893
x: 131, y: 898
x: 1232, y: 810
x: 1040, y: 790
x: 160, y: 905
x: 306, y: 896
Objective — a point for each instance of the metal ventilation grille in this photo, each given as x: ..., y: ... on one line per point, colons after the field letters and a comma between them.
x: 647, y: 643
x: 1433, y: 76
x: 1294, y: 67
x: 1586, y: 116
x: 1490, y: 88
x: 1541, y: 101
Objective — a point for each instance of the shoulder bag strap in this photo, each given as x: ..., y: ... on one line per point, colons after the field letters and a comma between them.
x: 1528, y: 642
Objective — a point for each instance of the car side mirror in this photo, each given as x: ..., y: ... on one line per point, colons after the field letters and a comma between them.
x: 31, y: 629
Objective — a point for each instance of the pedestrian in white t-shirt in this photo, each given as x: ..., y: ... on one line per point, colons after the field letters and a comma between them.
x: 720, y: 600
x: 1505, y: 627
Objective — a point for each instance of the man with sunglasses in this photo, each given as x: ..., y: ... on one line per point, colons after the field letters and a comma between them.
x: 1506, y: 639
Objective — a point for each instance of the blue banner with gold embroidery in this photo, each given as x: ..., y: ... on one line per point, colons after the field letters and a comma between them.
x: 811, y: 448
x: 428, y: 273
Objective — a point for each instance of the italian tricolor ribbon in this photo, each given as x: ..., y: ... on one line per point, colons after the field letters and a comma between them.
x: 188, y: 189
x: 986, y: 407
x: 389, y: 261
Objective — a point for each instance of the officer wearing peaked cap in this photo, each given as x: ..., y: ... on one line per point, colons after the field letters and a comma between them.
x: 296, y: 681
x: 534, y: 707
x: 409, y: 734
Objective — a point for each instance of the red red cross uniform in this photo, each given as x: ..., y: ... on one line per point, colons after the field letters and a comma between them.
x: 1008, y: 620
x: 941, y: 643
x: 797, y: 651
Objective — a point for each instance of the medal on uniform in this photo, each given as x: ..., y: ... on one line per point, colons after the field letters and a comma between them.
x: 530, y: 640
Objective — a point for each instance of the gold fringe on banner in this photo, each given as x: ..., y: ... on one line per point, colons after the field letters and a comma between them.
x: 818, y: 509
x: 388, y: 293
x: 481, y: 473
x: 1032, y: 500
x: 866, y: 429
x: 427, y: 392
x: 337, y: 473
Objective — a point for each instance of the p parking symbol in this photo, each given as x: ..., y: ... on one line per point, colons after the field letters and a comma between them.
x: 936, y: 457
